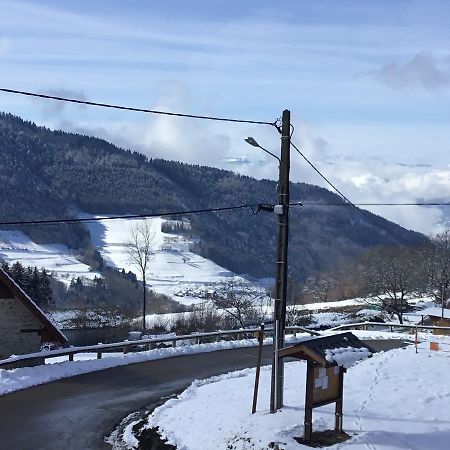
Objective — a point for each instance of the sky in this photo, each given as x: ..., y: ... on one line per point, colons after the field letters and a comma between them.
x: 367, y: 84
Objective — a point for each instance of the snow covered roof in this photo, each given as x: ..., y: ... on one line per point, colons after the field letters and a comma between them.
x: 343, y: 349
x: 52, y: 332
x: 347, y: 356
x: 435, y: 311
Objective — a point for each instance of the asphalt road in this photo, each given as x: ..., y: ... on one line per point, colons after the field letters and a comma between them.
x: 78, y: 412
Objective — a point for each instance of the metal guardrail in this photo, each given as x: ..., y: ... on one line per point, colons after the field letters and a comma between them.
x: 391, y: 325
x: 39, y: 357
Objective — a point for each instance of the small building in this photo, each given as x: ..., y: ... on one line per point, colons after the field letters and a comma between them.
x: 440, y: 318
x: 23, y: 325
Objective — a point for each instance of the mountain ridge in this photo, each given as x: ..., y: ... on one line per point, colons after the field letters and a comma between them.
x: 49, y: 174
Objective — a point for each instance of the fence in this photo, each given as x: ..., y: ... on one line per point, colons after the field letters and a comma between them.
x: 125, y: 346
x: 390, y: 325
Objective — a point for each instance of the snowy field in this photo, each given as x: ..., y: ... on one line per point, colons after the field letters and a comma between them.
x: 174, y: 269
x: 397, y: 400
x: 56, y: 258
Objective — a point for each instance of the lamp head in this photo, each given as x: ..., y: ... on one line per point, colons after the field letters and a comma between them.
x: 251, y: 141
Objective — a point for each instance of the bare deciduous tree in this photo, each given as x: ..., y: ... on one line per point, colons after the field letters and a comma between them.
x: 439, y: 268
x: 242, y: 304
x: 140, y: 249
x: 392, y: 274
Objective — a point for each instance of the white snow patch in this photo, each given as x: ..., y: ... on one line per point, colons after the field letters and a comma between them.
x: 16, y: 246
x: 346, y: 356
x: 393, y: 401
x: 435, y: 311
x: 174, y: 269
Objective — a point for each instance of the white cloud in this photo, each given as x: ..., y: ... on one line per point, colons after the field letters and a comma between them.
x: 393, y: 183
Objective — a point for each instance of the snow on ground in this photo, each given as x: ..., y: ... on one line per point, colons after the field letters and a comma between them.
x: 21, y: 378
x: 320, y: 306
x: 395, y: 400
x: 56, y: 258
x: 174, y: 269
x: 86, y: 318
x: 435, y: 311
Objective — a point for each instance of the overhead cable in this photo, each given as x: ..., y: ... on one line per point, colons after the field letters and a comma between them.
x: 130, y: 108
x: 126, y: 217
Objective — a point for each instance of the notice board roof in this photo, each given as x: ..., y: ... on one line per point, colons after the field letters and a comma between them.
x: 319, y: 349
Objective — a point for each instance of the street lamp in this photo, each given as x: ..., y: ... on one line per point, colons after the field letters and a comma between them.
x: 282, y: 209
x: 253, y: 142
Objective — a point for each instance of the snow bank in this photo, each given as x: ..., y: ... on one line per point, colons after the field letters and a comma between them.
x: 392, y: 401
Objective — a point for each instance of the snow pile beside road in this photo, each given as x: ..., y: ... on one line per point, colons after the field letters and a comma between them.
x: 346, y: 356
x: 395, y: 400
x: 21, y: 378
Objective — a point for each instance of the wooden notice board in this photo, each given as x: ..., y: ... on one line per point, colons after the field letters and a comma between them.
x: 326, y: 388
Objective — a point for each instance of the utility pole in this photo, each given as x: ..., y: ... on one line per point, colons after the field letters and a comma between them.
x: 282, y: 209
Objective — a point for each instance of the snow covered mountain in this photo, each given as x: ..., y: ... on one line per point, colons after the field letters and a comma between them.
x: 52, y: 174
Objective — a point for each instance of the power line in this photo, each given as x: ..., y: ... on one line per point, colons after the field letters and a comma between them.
x: 126, y: 217
x: 367, y: 216
x: 130, y: 108
x: 321, y: 174
x: 375, y: 204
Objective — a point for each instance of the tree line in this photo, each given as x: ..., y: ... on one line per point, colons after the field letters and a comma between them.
x: 387, y: 276
x: 36, y: 283
x: 115, y: 289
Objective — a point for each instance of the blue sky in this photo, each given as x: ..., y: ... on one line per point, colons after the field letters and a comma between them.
x: 367, y: 83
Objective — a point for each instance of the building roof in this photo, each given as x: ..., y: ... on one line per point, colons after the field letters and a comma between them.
x: 52, y: 331
x: 435, y: 311
x: 329, y: 350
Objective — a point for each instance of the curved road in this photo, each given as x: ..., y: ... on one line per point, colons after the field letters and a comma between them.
x: 78, y: 412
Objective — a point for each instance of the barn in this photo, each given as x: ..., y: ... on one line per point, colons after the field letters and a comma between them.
x: 23, y: 325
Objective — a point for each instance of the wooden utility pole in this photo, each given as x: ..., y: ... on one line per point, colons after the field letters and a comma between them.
x: 282, y: 209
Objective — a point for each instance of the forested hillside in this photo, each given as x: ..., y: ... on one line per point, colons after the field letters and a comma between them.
x: 48, y: 174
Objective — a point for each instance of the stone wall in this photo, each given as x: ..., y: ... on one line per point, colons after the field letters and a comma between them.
x: 15, y: 317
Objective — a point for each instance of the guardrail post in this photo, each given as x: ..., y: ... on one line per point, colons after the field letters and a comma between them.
x: 174, y: 343
x: 71, y: 357
x: 125, y: 349
x: 99, y: 355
